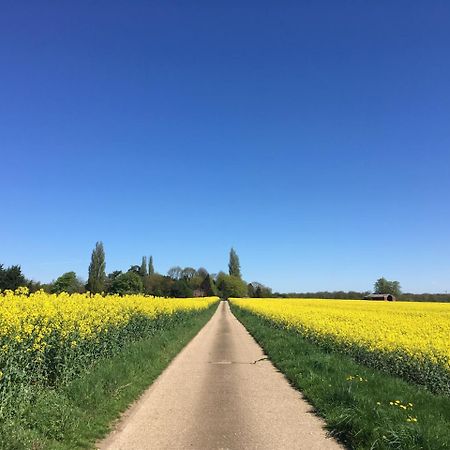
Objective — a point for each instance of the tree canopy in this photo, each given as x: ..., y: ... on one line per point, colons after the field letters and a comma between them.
x: 231, y: 286
x: 127, y: 283
x: 67, y: 282
x: 383, y: 286
x: 11, y: 278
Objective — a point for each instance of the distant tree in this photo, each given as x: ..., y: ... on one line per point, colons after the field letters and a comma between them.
x: 34, y: 286
x: 195, y: 278
x: 188, y: 273
x: 135, y: 268
x: 231, y: 286
x: 143, y: 268
x: 250, y: 290
x: 158, y: 285
x: 202, y: 273
x: 175, y: 272
x: 181, y: 288
x: 258, y: 290
x: 110, y: 278
x: 127, y: 283
x: 324, y: 294
x: 383, y: 286
x: 425, y: 297
x: 234, y: 267
x: 11, y: 278
x: 208, y: 287
x: 67, y: 282
x: 195, y: 282
x: 151, y: 269
x: 97, y: 275
x: 114, y: 275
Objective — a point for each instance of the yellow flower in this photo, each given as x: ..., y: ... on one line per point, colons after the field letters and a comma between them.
x: 31, y: 323
x: 420, y: 343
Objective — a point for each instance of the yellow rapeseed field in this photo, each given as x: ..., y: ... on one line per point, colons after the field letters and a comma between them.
x: 45, y: 338
x: 411, y: 339
x: 31, y: 320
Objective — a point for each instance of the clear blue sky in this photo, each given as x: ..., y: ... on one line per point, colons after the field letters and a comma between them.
x: 312, y: 136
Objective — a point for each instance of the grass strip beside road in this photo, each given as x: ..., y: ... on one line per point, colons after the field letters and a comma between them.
x: 76, y: 415
x: 363, y: 408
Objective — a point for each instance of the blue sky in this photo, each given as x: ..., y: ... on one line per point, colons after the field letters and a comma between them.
x: 314, y: 137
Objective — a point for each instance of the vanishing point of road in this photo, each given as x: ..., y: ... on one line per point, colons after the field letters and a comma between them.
x: 220, y: 392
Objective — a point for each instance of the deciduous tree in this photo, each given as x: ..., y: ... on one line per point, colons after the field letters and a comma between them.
x: 231, y: 286
x: 67, y: 282
x: 383, y: 286
x: 175, y: 272
x: 11, y: 278
x: 127, y: 283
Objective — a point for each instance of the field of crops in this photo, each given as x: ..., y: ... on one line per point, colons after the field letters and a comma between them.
x: 46, y: 339
x: 403, y: 338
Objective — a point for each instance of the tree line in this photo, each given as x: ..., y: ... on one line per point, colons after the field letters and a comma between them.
x: 184, y: 282
x: 143, y: 279
x: 381, y: 286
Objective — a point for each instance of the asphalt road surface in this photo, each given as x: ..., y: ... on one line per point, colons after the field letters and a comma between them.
x: 220, y: 392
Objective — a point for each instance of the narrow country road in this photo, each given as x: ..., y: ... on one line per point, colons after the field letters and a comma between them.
x: 220, y: 393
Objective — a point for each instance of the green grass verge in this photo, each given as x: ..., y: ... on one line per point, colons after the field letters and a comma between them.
x: 358, y: 410
x: 75, y: 415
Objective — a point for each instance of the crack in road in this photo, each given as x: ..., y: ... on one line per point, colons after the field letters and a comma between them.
x: 265, y: 358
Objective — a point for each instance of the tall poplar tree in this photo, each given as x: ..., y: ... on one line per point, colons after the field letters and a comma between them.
x: 151, y: 269
x: 234, y: 267
x: 143, y: 269
x: 97, y: 275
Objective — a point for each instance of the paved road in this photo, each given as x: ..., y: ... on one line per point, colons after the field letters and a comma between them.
x: 220, y: 393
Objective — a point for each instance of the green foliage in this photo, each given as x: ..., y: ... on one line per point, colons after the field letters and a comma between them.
x: 151, y: 268
x: 358, y: 295
x: 383, y: 286
x: 355, y: 295
x: 135, y: 268
x: 181, y: 288
x: 354, y: 399
x: 188, y: 273
x: 127, y: 283
x: 406, y: 296
x: 158, y: 285
x: 11, y: 278
x: 175, y: 272
x: 67, y: 282
x: 202, y: 273
x: 34, y: 286
x: 234, y: 267
x: 258, y: 290
x: 230, y: 286
x: 97, y: 275
x: 208, y: 287
x: 181, y: 283
x: 110, y: 278
x: 143, y: 268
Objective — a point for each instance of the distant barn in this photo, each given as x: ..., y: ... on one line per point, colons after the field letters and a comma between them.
x: 385, y: 297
